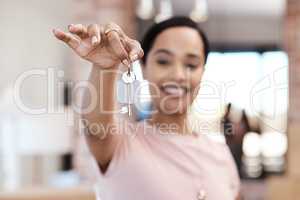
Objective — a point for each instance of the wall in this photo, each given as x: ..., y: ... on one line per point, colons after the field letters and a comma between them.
x: 288, y: 186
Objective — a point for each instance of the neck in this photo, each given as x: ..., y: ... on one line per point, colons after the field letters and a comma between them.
x: 176, y: 123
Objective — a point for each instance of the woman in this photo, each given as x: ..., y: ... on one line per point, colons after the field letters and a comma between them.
x: 159, y: 158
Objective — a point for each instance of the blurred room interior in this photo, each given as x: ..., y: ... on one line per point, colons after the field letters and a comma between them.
x: 249, y: 98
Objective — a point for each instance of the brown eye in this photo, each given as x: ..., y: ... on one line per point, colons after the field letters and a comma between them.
x: 162, y: 61
x: 191, y: 66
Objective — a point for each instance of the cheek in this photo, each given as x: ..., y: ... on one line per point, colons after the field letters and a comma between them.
x: 154, y: 73
x: 195, y: 83
x: 153, y: 78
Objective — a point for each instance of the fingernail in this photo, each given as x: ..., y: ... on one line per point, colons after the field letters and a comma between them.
x: 125, y: 62
x: 55, y: 32
x: 134, y: 57
x: 94, y: 40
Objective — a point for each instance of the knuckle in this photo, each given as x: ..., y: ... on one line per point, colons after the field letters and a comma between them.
x: 111, y: 24
x: 66, y: 38
x: 78, y: 25
x: 138, y: 46
x: 136, y: 43
x: 83, y: 55
x: 141, y: 53
x: 93, y: 29
x: 112, y: 36
x: 91, y: 26
x: 123, y: 55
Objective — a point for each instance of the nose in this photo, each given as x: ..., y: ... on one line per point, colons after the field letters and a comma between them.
x: 178, y: 74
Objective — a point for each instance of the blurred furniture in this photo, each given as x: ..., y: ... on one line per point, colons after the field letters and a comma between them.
x: 41, y: 142
x: 77, y: 193
x: 33, y: 146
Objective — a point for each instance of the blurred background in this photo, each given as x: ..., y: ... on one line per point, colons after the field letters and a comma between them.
x: 248, y: 99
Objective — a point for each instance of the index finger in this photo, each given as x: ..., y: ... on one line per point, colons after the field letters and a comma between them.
x: 68, y: 38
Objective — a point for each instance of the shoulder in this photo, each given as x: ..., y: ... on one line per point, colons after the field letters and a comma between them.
x: 219, y: 149
x: 221, y: 152
x: 215, y: 143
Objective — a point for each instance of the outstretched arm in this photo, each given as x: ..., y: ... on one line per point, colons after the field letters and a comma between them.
x: 107, y: 48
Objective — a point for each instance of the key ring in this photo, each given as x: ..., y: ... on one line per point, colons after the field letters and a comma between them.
x: 128, y: 77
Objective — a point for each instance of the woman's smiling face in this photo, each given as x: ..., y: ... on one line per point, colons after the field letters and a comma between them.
x: 174, y: 68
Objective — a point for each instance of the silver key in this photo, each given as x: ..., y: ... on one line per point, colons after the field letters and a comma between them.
x: 128, y: 79
x: 122, y: 94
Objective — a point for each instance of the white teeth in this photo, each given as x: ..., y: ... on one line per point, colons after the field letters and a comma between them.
x: 174, y: 91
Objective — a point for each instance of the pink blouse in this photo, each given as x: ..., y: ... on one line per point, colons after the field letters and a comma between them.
x: 152, y: 165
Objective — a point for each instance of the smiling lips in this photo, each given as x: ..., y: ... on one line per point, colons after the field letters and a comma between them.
x: 174, y: 90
